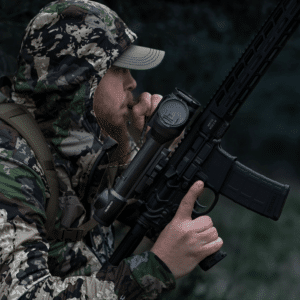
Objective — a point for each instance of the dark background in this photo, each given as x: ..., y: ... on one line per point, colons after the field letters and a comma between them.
x: 202, y: 41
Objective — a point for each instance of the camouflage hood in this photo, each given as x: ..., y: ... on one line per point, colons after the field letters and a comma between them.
x: 66, y: 50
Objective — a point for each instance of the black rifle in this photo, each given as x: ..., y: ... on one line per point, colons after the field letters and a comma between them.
x: 159, y: 178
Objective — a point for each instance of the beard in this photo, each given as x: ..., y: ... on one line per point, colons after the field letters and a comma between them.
x: 120, y: 134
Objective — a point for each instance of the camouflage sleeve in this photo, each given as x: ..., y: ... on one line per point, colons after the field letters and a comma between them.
x: 24, y: 269
x: 151, y: 273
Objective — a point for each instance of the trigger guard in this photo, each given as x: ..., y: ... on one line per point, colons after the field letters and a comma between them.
x: 211, y: 207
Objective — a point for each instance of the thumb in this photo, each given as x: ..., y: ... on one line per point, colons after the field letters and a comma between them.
x: 186, y: 206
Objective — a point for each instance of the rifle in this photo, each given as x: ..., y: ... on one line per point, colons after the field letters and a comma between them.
x: 160, y: 178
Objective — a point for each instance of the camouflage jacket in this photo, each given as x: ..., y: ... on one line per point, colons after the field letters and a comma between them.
x: 66, y: 50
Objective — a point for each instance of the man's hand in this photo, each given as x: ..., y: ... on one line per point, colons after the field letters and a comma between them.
x: 185, y: 242
x: 146, y: 105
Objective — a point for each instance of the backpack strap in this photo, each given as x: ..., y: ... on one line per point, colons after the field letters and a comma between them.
x: 19, y: 118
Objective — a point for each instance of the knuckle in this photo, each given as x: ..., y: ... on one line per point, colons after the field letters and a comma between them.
x: 145, y: 98
x: 221, y: 242
x: 213, y: 247
x: 213, y: 232
x: 146, y: 95
x: 217, y: 244
x: 204, y: 223
x: 136, y: 110
x: 187, y: 228
x: 157, y: 97
x: 208, y: 220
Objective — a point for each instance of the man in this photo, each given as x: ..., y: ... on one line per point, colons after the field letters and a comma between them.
x: 73, y: 78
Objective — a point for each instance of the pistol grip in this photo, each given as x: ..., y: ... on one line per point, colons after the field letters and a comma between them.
x: 211, y: 260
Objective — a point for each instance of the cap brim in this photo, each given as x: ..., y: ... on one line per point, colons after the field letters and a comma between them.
x: 140, y: 58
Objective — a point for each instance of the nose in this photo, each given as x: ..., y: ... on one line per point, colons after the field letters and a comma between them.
x: 130, y: 84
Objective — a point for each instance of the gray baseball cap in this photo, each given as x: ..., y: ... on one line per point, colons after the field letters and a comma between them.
x: 140, y: 58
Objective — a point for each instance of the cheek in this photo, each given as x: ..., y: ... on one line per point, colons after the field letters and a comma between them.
x: 116, y: 94
x: 108, y: 111
x: 109, y: 100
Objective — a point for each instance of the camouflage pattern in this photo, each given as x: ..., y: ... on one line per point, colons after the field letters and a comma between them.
x: 66, y: 50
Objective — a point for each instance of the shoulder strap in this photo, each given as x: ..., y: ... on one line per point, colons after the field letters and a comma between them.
x: 19, y: 118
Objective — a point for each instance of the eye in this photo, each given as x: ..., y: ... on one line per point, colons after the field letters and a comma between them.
x: 119, y: 69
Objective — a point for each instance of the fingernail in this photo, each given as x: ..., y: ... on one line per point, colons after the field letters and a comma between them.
x: 201, y: 183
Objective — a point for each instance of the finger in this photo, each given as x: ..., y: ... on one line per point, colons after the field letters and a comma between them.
x: 207, y: 234
x: 140, y: 110
x: 203, y: 238
x: 213, y: 246
x: 144, y: 105
x: 186, y: 206
x: 203, y: 223
x: 155, y: 99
